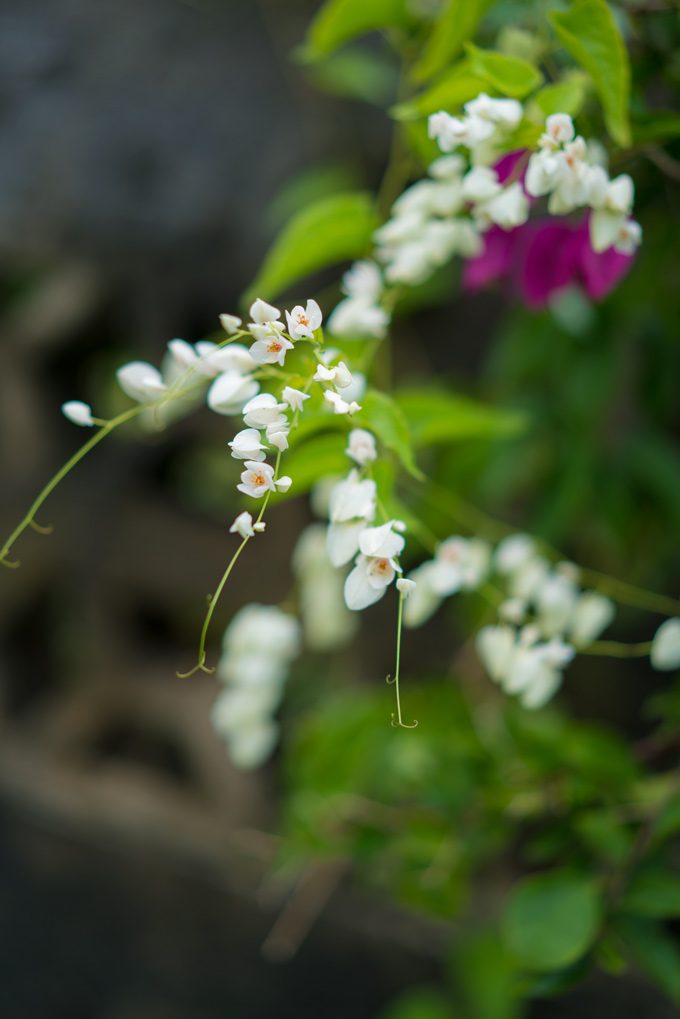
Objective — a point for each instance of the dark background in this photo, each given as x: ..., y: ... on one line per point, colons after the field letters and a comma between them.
x: 144, y: 151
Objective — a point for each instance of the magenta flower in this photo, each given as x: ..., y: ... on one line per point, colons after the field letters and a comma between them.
x: 542, y: 257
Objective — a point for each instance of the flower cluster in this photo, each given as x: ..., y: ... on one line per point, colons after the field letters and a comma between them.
x: 258, y: 647
x: 468, y: 195
x: 564, y: 169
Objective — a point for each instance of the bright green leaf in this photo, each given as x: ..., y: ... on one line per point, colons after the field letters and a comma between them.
x: 563, y: 97
x: 435, y: 416
x: 421, y: 1003
x: 330, y: 230
x: 655, y: 951
x: 454, y: 26
x: 551, y: 920
x: 383, y: 416
x: 357, y: 74
x: 510, y: 75
x: 588, y: 31
x: 653, y: 893
x: 339, y: 21
x: 448, y: 93
x: 487, y: 977
x: 320, y: 456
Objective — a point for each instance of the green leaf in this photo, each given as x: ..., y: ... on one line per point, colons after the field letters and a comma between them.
x: 436, y: 416
x: 383, y: 416
x: 655, y: 951
x: 563, y: 97
x: 357, y: 74
x: 421, y: 1003
x: 588, y: 31
x: 320, y: 456
x: 339, y: 21
x: 330, y: 230
x: 551, y: 920
x: 654, y: 893
x: 454, y: 26
x: 510, y: 75
x: 657, y: 126
x: 667, y: 822
x: 487, y: 977
x: 448, y: 93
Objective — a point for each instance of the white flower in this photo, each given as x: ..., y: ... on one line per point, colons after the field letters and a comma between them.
x: 278, y: 437
x: 411, y: 264
x: 508, y: 209
x: 533, y: 678
x: 527, y: 580
x: 665, y: 653
x: 283, y: 483
x: 449, y: 132
x: 251, y: 747
x: 246, y: 630
x: 513, y: 610
x: 358, y: 317
x: 294, y: 397
x: 405, y: 586
x: 270, y: 350
x: 504, y: 112
x: 304, y: 321
x: 555, y: 599
x: 183, y: 354
x: 246, y: 445
x: 230, y: 391
x: 381, y: 541
x: 361, y: 446
x: 368, y: 581
x: 262, y: 313
x: 559, y: 128
x: 230, y: 323
x: 323, y: 374
x: 513, y: 552
x: 141, y: 381
x: 353, y: 499
x: 459, y: 563
x: 256, y: 479
x: 78, y: 412
x: 363, y: 281
x: 593, y: 614
x: 628, y: 238
x: 619, y: 195
x: 480, y: 184
x: 327, y: 622
x: 243, y: 525
x: 214, y: 360
x: 542, y: 173
x: 423, y: 601
x: 264, y: 409
x: 573, y: 179
x: 339, y: 405
x: 447, y: 168
x: 343, y: 376
x: 238, y: 707
x: 342, y: 540
x: 495, y: 646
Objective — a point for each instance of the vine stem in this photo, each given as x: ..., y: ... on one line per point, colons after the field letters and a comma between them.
x: 399, y: 723
x: 616, y: 649
x: 29, y: 519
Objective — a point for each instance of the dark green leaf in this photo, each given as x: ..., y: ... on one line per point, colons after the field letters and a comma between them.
x: 423, y: 1003
x: 655, y: 951
x: 588, y: 31
x: 326, y: 232
x: 551, y: 920
x: 487, y: 977
x: 653, y: 893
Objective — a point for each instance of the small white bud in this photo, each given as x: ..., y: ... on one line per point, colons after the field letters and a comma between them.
x: 230, y: 323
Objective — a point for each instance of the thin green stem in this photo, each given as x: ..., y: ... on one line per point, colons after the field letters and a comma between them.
x: 29, y: 519
x: 616, y: 649
x: 200, y: 665
x: 628, y: 594
x: 399, y: 722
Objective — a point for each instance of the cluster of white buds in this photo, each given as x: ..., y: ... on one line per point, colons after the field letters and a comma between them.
x: 482, y: 130
x: 326, y: 621
x: 545, y: 621
x: 564, y: 169
x: 254, y: 671
x: 360, y: 313
x: 459, y: 564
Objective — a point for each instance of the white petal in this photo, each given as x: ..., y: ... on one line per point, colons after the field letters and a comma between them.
x: 359, y: 593
x: 141, y: 381
x: 665, y: 654
x: 78, y: 412
x: 261, y: 312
